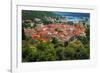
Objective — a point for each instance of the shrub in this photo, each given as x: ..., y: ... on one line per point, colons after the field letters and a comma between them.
x: 47, y: 51
x: 29, y: 53
x: 60, y: 53
x: 69, y: 53
x: 55, y: 40
x: 76, y: 50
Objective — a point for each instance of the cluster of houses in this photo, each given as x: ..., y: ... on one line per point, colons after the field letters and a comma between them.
x: 61, y: 31
x: 57, y: 19
x: 60, y: 27
x: 37, y: 22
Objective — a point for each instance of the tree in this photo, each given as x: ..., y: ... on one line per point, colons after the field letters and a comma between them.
x: 29, y: 53
x: 66, y: 43
x: 23, y: 33
x: 76, y: 50
x: 46, y: 52
x: 60, y: 53
x: 55, y: 40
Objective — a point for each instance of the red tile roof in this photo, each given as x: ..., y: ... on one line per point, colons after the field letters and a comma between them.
x: 64, y: 32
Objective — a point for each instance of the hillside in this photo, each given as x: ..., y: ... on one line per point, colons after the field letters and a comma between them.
x: 36, y: 14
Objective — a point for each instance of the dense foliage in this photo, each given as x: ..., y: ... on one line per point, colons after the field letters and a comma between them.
x: 35, y: 50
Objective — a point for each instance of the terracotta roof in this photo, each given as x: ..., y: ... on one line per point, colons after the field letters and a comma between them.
x: 64, y: 32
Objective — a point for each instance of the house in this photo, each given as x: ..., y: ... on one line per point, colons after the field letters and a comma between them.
x: 61, y: 31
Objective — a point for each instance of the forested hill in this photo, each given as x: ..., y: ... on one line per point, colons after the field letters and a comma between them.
x: 26, y: 14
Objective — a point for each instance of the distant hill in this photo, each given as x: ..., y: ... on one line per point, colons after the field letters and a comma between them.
x: 29, y: 14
